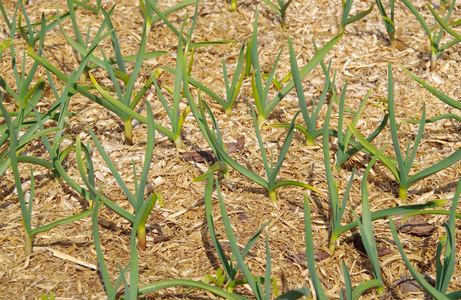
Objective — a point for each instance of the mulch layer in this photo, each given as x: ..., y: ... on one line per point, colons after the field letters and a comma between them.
x: 179, y: 246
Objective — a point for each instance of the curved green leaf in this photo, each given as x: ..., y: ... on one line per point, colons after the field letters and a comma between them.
x: 421, y: 281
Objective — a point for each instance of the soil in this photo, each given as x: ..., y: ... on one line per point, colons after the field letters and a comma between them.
x: 64, y: 259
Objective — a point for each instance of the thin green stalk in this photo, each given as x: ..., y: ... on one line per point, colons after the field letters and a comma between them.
x: 336, y: 207
x: 280, y: 10
x: 445, y: 269
x: 111, y: 291
x: 233, y: 88
x: 435, y: 36
x: 309, y: 119
x: 260, y: 93
x: 270, y: 184
x: 446, y: 99
x: 173, y: 113
x: 400, y: 210
x: 366, y: 226
x: 345, y: 19
x: 254, y: 285
x: 313, y: 62
x: 26, y: 209
x: 388, y: 21
x: 233, y: 4
x: 228, y: 265
x: 271, y: 170
x: 136, y: 200
x: 401, y: 173
x: 149, y: 4
x: 421, y: 281
x: 125, y: 96
x: 344, y: 139
x: 310, y: 254
x: 200, y: 118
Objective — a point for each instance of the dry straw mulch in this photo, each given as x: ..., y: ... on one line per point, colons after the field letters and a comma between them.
x: 64, y: 259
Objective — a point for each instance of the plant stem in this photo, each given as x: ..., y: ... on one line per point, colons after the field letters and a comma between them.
x: 142, y: 236
x: 83, y: 77
x: 178, y: 142
x: 273, y: 195
x: 248, y: 61
x: 433, y: 61
x: 233, y: 5
x: 228, y: 111
x: 148, y: 27
x: 28, y: 245
x: 340, y: 29
x: 332, y: 245
x: 392, y: 38
x: 261, y: 118
x: 402, y: 193
x: 224, y: 169
x: 128, y: 131
x: 309, y: 141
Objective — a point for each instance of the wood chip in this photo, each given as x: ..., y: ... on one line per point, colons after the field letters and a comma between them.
x: 67, y: 257
x: 208, y: 156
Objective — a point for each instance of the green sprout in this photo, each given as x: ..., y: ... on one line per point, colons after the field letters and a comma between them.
x: 271, y: 184
x: 446, y: 99
x: 337, y: 207
x: 149, y: 7
x: 280, y: 10
x: 310, y: 120
x: 402, y: 172
x: 388, y: 21
x: 35, y: 131
x: 345, y: 19
x: 260, y: 93
x: 233, y: 4
x: 232, y: 88
x: 137, y: 199
x: 366, y: 227
x: 434, y: 35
